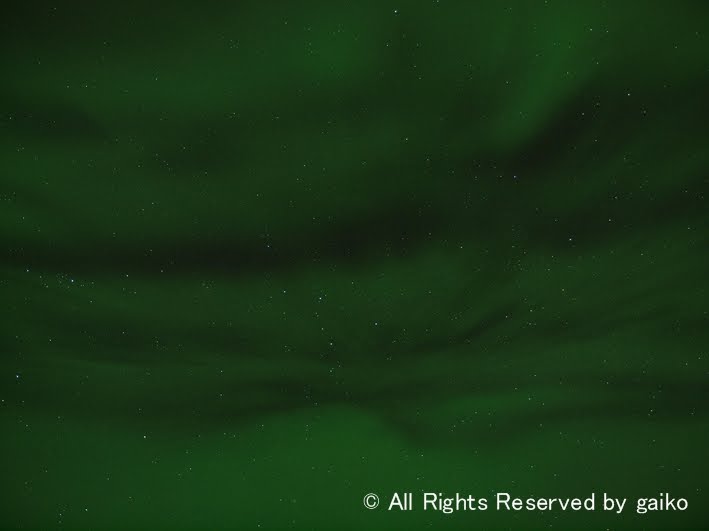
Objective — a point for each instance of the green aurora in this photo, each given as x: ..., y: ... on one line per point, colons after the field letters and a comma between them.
x: 260, y: 259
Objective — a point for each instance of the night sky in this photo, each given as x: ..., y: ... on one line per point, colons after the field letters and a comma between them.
x: 260, y: 259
